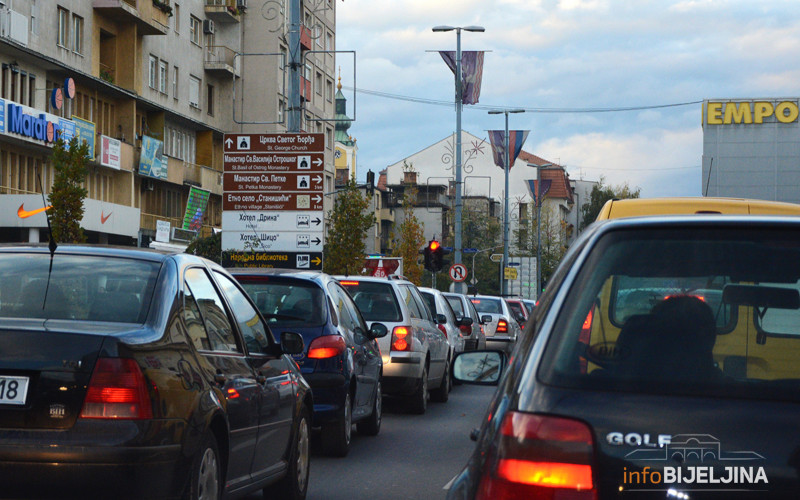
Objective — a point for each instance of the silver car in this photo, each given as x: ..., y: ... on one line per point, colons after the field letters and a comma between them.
x: 415, y: 353
x: 445, y: 318
x: 472, y: 329
x: 501, y: 329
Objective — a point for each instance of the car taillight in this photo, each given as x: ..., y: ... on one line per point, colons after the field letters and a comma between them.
x: 465, y: 330
x: 327, y: 346
x: 117, y: 390
x: 585, y: 338
x: 502, y: 326
x: 443, y: 330
x: 401, y: 341
x: 540, y: 457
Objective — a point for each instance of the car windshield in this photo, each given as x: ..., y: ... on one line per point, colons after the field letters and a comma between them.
x: 375, y: 300
x: 287, y: 301
x: 489, y: 306
x: 711, y: 311
x: 79, y: 287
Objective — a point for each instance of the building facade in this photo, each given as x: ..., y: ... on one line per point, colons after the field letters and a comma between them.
x: 152, y: 85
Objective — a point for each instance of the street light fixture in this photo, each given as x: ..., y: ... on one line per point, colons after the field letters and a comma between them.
x: 505, y: 210
x: 458, y: 287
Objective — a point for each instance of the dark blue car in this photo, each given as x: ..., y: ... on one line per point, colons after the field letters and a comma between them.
x: 342, y: 361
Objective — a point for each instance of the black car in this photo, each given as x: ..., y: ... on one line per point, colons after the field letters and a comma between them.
x: 663, y: 361
x: 132, y: 374
x: 342, y: 361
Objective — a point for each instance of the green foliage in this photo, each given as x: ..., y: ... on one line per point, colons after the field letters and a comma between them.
x: 349, y: 222
x: 601, y: 193
x: 410, y: 236
x: 70, y: 163
x: 553, y: 233
x: 209, y: 247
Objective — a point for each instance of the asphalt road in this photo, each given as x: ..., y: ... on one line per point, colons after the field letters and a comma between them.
x: 414, y: 456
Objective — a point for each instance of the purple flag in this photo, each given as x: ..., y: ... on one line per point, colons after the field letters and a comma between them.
x: 516, y: 138
x: 471, y: 72
x: 544, y: 186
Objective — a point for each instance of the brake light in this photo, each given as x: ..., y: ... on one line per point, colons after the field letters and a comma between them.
x: 327, y: 346
x: 585, y: 338
x: 540, y: 457
x: 502, y: 326
x: 466, y: 330
x: 117, y: 390
x: 400, y: 339
x: 443, y: 330
x: 348, y: 283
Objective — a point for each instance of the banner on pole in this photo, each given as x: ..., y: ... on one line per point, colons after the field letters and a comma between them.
x: 471, y: 72
x: 544, y: 187
x: 516, y: 138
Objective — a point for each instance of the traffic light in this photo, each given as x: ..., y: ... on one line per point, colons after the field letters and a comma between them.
x: 433, y: 256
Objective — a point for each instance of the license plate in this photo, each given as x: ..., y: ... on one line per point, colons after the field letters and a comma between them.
x: 13, y: 390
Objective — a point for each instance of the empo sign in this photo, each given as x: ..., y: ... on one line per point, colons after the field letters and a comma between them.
x: 750, y: 112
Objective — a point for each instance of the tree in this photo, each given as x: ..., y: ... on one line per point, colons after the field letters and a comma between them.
x: 481, y: 231
x: 410, y: 236
x: 349, y: 222
x: 553, y: 233
x: 209, y: 247
x: 600, y: 195
x: 70, y: 163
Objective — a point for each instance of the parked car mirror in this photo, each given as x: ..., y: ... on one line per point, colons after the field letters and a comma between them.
x: 479, y: 367
x: 467, y: 321
x: 441, y: 319
x: 292, y: 343
x: 378, y: 330
x: 486, y: 319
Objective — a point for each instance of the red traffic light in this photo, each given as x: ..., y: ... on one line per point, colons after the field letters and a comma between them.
x: 434, y: 245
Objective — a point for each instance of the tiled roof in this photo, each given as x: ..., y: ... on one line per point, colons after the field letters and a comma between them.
x: 559, y: 186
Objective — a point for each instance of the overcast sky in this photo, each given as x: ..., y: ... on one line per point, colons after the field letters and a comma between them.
x: 557, y: 58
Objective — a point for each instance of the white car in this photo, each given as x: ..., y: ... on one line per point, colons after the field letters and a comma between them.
x: 501, y: 329
x: 415, y: 353
x: 445, y: 319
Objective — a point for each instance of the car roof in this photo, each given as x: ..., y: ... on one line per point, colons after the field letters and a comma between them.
x: 269, y: 271
x: 375, y: 279
x: 99, y: 250
x: 635, y: 207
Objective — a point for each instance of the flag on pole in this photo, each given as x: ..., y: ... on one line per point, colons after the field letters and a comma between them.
x: 516, y: 138
x: 471, y: 72
x: 544, y: 186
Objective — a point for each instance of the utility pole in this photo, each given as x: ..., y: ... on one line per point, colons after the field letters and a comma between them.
x: 295, y: 67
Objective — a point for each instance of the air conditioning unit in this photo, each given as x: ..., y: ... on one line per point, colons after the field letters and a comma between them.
x: 241, y: 4
x: 179, y: 234
x: 208, y: 27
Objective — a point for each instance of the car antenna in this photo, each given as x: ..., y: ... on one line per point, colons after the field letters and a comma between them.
x: 52, y: 245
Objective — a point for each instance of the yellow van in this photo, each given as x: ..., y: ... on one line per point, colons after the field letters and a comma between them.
x: 633, y: 207
x: 751, y: 342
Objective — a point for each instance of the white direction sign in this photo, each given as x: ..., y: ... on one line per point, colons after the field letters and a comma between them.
x: 496, y: 257
x: 458, y: 272
x: 247, y: 221
x: 272, y: 241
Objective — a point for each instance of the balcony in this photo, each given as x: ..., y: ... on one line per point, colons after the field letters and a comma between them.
x: 201, y: 176
x: 150, y: 19
x: 305, y: 88
x: 223, y: 11
x: 305, y: 38
x: 221, y: 59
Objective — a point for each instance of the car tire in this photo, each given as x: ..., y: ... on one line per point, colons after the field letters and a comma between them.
x: 336, y: 436
x: 442, y: 394
x: 419, y: 400
x: 372, y: 425
x: 294, y: 485
x: 205, y: 478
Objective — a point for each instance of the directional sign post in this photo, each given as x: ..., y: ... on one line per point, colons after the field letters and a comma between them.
x: 272, y: 213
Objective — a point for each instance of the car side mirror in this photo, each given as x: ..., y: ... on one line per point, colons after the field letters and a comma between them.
x: 292, y: 343
x: 441, y: 319
x: 486, y: 319
x: 479, y: 367
x: 378, y: 330
x: 467, y: 321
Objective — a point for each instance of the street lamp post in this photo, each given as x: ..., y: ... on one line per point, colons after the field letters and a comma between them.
x: 507, y: 168
x: 457, y: 237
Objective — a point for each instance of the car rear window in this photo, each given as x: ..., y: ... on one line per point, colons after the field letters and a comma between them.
x: 517, y: 308
x: 286, y: 301
x: 375, y: 300
x: 489, y: 306
x: 79, y: 287
x: 696, y: 311
x: 457, y: 305
x: 430, y: 301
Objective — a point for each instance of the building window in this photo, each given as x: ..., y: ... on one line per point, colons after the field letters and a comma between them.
x: 77, y: 34
x: 194, y: 92
x: 329, y: 137
x: 318, y: 84
x: 175, y: 82
x: 34, y: 18
x: 329, y: 91
x: 176, y: 17
x: 328, y: 41
x: 162, y: 76
x: 194, y: 30
x: 210, y: 99
x: 153, y: 68
x: 63, y: 28
x: 32, y: 91
x: 281, y: 108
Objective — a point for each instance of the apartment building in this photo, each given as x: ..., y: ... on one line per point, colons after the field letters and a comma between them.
x: 152, y: 85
